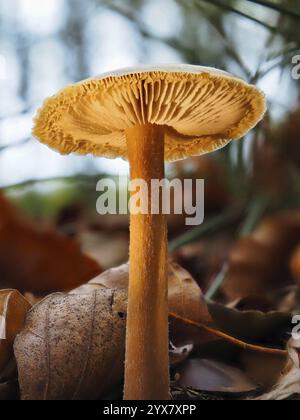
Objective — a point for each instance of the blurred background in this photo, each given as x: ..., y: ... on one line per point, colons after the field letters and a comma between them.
x: 45, y: 45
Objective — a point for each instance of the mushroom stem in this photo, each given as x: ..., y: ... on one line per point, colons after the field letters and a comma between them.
x: 147, y: 344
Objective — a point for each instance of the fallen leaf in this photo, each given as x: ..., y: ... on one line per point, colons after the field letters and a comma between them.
x: 58, y: 341
x: 288, y: 300
x: 253, y: 341
x: 213, y: 376
x: 185, y: 296
x: 13, y: 310
x: 253, y: 303
x: 294, y: 351
x: 38, y: 260
x: 258, y: 264
x: 287, y: 387
x: 72, y: 346
x: 270, y: 329
x: 261, y: 368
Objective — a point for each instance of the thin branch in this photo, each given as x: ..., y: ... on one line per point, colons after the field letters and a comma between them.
x: 276, y: 7
x: 230, y: 339
x: 231, y: 9
x: 17, y: 144
x: 282, y: 61
x: 131, y: 16
x: 24, y: 111
x: 217, y: 26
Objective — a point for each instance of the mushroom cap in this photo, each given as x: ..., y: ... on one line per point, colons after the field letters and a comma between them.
x: 201, y: 108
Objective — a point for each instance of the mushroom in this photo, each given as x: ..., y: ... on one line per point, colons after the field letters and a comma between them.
x: 149, y: 115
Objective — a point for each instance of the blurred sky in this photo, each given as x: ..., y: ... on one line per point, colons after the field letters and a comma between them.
x: 36, y: 38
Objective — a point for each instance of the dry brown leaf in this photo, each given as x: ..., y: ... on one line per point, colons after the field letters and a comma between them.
x: 59, y: 356
x: 287, y: 387
x: 288, y: 384
x: 13, y: 310
x: 39, y: 261
x: 62, y: 336
x: 72, y: 347
x: 294, y: 351
x: 258, y: 263
x: 213, y: 376
x: 185, y: 296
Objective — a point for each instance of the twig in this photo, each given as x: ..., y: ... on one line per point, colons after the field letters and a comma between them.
x: 231, y: 9
x: 283, y: 61
x: 16, y: 144
x: 228, y: 338
x: 23, y: 111
x: 218, y: 27
x: 276, y: 7
x: 171, y: 42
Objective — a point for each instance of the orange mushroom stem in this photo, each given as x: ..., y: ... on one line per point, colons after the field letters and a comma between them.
x: 147, y: 361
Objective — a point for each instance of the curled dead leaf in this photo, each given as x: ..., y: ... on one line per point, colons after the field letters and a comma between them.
x: 72, y: 347
x: 13, y: 310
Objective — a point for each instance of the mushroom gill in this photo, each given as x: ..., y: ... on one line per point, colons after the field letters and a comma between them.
x: 199, y: 111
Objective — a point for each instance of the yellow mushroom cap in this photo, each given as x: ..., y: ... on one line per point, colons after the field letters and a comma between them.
x: 202, y: 109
